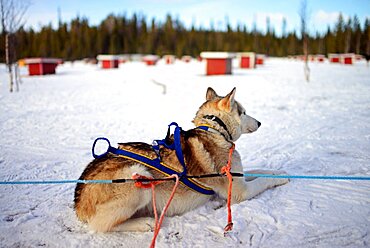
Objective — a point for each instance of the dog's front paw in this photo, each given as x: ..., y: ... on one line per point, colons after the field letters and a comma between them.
x: 144, y: 224
x: 280, y: 181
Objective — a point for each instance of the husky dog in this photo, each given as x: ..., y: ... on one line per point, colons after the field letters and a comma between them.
x: 125, y: 207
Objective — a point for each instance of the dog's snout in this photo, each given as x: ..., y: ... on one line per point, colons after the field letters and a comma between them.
x: 259, y: 123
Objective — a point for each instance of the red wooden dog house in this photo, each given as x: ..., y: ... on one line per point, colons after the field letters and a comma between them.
x: 186, y: 58
x: 315, y: 58
x: 108, y: 61
x: 218, y: 63
x: 334, y: 57
x: 42, y: 66
x: 151, y: 59
x: 347, y: 58
x: 169, y: 59
x: 358, y: 57
x: 320, y: 58
x: 260, y: 59
x: 247, y: 60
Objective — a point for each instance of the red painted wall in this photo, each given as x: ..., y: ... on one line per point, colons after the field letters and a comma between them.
x: 347, y: 60
x: 150, y: 62
x: 259, y: 61
x: 106, y: 64
x: 245, y: 62
x: 334, y: 60
x: 34, y: 69
x: 218, y: 66
x: 41, y: 68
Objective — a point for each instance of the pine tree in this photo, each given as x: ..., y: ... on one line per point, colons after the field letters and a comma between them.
x: 366, y: 37
x: 339, y: 35
x: 330, y: 42
x: 347, y: 35
x: 357, y: 34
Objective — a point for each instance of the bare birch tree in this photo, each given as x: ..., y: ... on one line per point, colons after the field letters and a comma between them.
x: 11, y: 15
x: 304, y: 32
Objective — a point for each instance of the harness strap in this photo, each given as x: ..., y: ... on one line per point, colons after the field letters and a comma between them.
x: 155, y: 164
x: 178, y: 148
x: 207, y: 128
x: 226, y: 169
x: 176, y: 145
x: 219, y: 122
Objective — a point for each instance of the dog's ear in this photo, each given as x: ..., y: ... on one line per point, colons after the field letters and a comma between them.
x: 211, y: 94
x: 227, y: 102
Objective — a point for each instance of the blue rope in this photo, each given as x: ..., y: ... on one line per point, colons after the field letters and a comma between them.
x: 349, y: 178
x: 308, y: 177
x: 56, y: 182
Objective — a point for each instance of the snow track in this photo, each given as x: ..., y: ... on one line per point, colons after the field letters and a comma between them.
x: 316, y: 128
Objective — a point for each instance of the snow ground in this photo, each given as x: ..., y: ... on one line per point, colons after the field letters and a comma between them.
x: 316, y: 128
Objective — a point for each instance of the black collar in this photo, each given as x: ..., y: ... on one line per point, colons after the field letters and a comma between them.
x: 219, y: 122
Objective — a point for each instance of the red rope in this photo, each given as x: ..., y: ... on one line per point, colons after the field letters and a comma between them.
x: 226, y: 169
x: 152, y: 185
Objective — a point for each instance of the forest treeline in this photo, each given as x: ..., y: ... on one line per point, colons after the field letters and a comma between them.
x: 120, y: 34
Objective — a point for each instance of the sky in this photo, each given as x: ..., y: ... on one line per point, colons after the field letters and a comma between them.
x: 202, y: 13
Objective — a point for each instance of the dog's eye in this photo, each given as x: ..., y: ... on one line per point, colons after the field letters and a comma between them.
x: 241, y: 112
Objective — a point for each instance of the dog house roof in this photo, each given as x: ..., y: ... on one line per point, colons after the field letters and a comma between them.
x: 217, y: 55
x: 42, y: 60
x: 108, y: 57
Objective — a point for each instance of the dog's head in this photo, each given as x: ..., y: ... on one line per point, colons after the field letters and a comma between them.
x: 225, y: 115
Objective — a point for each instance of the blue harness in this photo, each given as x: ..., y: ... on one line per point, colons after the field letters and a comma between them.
x: 157, y: 163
